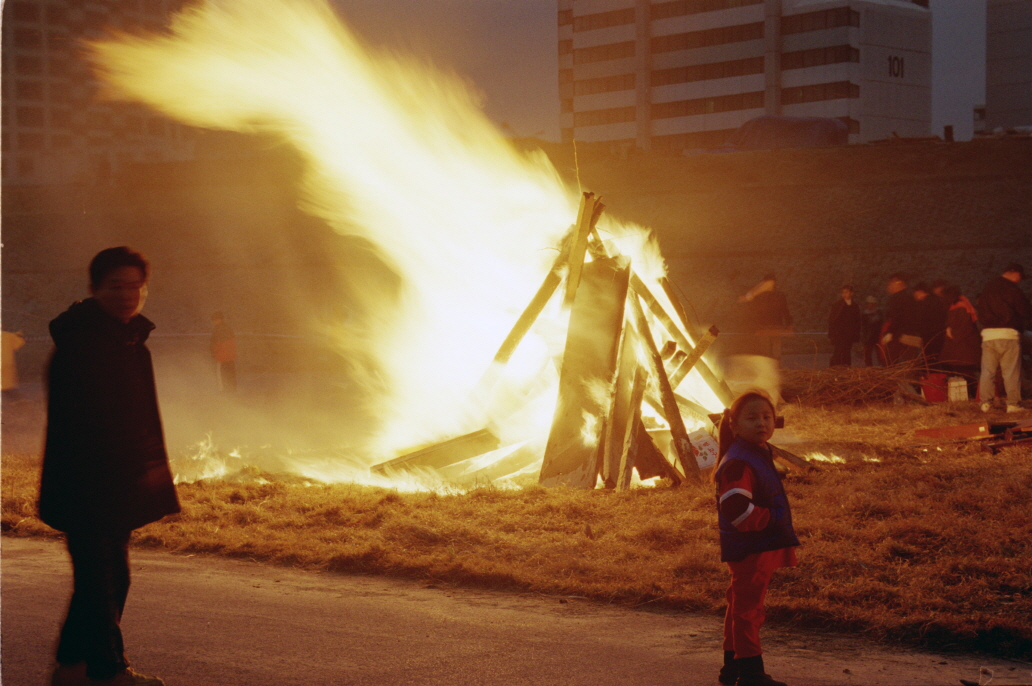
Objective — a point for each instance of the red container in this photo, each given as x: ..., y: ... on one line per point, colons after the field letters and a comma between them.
x: 933, y: 385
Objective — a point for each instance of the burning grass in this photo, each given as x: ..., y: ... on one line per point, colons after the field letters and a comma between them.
x: 923, y: 545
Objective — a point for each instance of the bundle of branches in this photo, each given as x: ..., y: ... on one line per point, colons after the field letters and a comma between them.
x: 849, y: 385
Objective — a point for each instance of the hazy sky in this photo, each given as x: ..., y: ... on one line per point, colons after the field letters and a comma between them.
x: 507, y: 48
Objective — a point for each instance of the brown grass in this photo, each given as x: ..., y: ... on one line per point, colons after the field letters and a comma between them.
x: 922, y: 545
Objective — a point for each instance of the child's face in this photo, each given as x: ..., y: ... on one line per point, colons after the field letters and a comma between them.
x: 755, y: 422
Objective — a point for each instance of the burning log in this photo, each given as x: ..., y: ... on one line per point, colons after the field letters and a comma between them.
x: 718, y: 385
x: 589, y: 364
x: 682, y: 446
x: 624, y: 414
x: 443, y: 454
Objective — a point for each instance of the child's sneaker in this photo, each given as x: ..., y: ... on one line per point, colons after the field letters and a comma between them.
x: 128, y: 678
x: 987, y: 407
x: 1014, y: 408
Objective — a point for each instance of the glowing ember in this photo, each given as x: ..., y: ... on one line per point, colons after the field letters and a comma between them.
x: 402, y: 156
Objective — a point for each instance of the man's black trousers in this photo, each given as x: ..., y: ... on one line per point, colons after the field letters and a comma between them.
x: 91, y: 631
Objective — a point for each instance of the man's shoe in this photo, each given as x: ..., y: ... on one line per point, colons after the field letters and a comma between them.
x: 129, y: 677
x: 1014, y: 408
x: 751, y: 673
x: 69, y: 675
x: 729, y: 672
x: 987, y: 407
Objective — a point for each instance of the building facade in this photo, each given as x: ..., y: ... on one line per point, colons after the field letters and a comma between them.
x: 56, y: 129
x: 684, y: 74
x: 1008, y: 68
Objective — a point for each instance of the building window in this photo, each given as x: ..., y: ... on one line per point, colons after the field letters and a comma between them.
x: 30, y: 116
x: 565, y: 17
x: 679, y: 8
x: 57, y: 41
x: 819, y: 92
x: 818, y: 21
x: 720, y: 103
x: 566, y: 135
x: 26, y: 64
x: 27, y: 39
x: 614, y: 115
x: 603, y: 53
x: 565, y: 76
x: 705, y: 72
x: 565, y: 105
x: 29, y: 90
x: 56, y: 15
x: 816, y: 57
x: 23, y: 11
x: 605, y: 84
x: 30, y: 141
x: 603, y: 20
x: 701, y: 39
x: 566, y: 47
x: 61, y: 119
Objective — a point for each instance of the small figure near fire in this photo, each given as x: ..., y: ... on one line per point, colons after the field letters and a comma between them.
x: 756, y: 534
x: 224, y: 352
x: 105, y: 469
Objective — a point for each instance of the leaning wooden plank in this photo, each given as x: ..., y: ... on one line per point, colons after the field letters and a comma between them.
x: 579, y: 247
x: 443, y: 454
x: 672, y: 413
x: 996, y: 446
x: 962, y: 431
x: 692, y: 326
x: 537, y: 304
x: 585, y: 381
x: 628, y: 446
x: 718, y: 385
x: 782, y: 455
x: 691, y: 359
x: 649, y: 460
x: 622, y: 412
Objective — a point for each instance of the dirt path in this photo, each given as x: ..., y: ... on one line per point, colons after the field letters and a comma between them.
x: 200, y: 621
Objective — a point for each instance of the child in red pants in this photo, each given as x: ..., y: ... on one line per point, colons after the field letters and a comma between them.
x: 756, y: 534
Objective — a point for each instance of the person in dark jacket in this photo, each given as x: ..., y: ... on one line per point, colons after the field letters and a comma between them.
x: 844, y: 325
x: 1004, y: 312
x: 901, y: 334
x: 767, y: 316
x: 105, y: 469
x: 930, y: 314
x: 961, y: 351
x: 870, y: 330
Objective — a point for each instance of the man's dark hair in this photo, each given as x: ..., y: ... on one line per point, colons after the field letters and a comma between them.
x: 106, y: 261
x: 898, y: 276
x: 1015, y: 267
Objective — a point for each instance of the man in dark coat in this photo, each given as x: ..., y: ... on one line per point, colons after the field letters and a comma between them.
x: 901, y: 333
x: 105, y: 469
x: 1004, y: 312
x: 930, y: 313
x: 844, y: 324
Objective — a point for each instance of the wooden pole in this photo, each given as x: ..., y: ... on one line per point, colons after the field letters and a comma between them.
x: 623, y: 411
x: 682, y: 446
x: 701, y: 345
x: 579, y: 247
x: 718, y: 385
x: 627, y: 454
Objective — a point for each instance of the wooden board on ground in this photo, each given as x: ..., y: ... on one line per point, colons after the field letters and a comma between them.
x: 962, y: 431
x: 443, y: 454
x: 592, y: 340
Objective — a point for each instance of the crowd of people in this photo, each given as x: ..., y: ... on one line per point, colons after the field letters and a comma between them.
x: 936, y: 326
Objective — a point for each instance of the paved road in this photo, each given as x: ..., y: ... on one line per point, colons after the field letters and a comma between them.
x: 201, y: 621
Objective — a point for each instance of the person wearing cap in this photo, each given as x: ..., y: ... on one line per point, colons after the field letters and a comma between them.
x: 1004, y: 312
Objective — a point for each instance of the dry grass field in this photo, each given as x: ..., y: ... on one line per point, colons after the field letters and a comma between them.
x: 914, y: 544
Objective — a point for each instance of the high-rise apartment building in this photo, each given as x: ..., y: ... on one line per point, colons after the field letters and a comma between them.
x: 683, y: 74
x: 1008, y: 68
x: 55, y: 128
